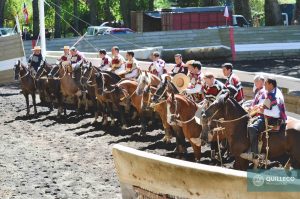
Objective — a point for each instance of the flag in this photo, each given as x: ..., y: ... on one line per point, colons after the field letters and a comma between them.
x: 226, y: 13
x: 25, y: 12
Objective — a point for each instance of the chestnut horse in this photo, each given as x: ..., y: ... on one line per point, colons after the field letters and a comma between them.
x: 235, y: 120
x: 28, y: 84
x: 181, y: 111
x: 159, y: 103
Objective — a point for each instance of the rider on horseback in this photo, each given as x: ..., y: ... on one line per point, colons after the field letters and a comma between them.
x: 76, y: 58
x: 269, y: 103
x: 212, y: 88
x: 233, y: 83
x: 118, y: 61
x: 180, y: 67
x: 105, y: 62
x: 195, y: 87
x: 35, y: 60
x: 131, y: 66
x: 66, y: 55
x: 158, y: 65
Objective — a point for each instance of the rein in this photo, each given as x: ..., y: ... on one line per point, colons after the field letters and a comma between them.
x: 88, y: 78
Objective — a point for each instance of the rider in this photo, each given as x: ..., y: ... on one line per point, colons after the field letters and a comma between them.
x: 105, y: 62
x: 212, y: 88
x: 195, y: 87
x: 35, y: 59
x: 233, y: 83
x: 66, y: 55
x: 158, y: 65
x: 118, y: 61
x: 76, y: 58
x: 271, y: 108
x: 180, y: 67
x: 131, y: 66
x: 258, y: 88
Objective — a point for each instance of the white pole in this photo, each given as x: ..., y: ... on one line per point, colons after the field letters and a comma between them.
x: 42, y: 27
x: 18, y: 25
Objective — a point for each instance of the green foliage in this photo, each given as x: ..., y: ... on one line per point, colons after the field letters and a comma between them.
x: 160, y: 4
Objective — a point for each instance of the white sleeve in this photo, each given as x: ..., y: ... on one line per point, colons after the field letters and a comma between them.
x: 196, y: 89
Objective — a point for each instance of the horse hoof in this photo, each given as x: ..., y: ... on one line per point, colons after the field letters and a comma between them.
x: 166, y: 139
x: 112, y: 123
x: 197, y: 160
x: 123, y: 127
x: 104, y: 123
x: 94, y: 122
x: 142, y: 132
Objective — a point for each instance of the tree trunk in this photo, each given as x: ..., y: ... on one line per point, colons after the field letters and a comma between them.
x: 2, y: 5
x: 242, y: 7
x: 35, y: 18
x: 75, y: 13
x: 126, y: 7
x: 151, y: 5
x: 57, y: 25
x: 93, y: 12
x: 272, y: 13
x: 108, y: 16
x: 296, y: 18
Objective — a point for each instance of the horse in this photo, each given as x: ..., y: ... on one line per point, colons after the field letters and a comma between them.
x: 105, y: 82
x: 181, y: 111
x: 229, y: 114
x: 88, y: 80
x: 45, y: 85
x: 145, y: 80
x: 68, y: 87
x: 28, y: 84
x: 158, y: 102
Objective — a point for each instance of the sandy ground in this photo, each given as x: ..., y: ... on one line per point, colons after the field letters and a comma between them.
x: 42, y: 157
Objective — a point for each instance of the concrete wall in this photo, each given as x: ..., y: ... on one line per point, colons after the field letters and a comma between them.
x: 207, y: 39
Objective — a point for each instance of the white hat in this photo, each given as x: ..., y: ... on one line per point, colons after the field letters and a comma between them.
x: 181, y: 82
x: 36, y: 48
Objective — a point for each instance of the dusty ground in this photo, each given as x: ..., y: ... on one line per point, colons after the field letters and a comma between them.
x: 42, y: 157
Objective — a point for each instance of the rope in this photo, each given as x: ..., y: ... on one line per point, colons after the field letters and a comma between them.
x: 233, y: 120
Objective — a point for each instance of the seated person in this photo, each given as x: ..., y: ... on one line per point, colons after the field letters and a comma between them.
x: 105, y: 62
x: 118, y: 61
x: 195, y: 87
x: 180, y: 67
x: 157, y: 67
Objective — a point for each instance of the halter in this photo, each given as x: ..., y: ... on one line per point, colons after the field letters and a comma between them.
x: 159, y: 97
x: 88, y: 78
x: 44, y: 70
x: 65, y: 72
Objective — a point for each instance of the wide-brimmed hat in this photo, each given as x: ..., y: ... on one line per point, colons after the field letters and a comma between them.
x: 37, y: 48
x: 66, y: 48
x: 181, y: 81
x: 73, y: 48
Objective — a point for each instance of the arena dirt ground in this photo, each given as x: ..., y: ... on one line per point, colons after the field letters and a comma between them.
x: 43, y: 157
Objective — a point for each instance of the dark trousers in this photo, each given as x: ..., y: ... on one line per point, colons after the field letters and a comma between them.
x: 255, y: 128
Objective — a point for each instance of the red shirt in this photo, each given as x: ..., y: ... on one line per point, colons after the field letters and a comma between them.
x: 233, y: 80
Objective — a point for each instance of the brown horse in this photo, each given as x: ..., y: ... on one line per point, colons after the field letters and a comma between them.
x: 181, y: 111
x: 105, y: 87
x: 28, y: 84
x: 68, y: 87
x: 235, y: 120
x: 158, y: 102
x: 88, y: 80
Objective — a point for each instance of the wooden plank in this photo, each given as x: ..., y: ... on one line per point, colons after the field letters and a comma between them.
x: 164, y: 175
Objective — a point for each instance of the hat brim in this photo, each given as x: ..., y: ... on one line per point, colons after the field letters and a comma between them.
x: 184, y: 78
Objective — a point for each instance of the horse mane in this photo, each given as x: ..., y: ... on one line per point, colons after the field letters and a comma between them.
x: 173, y: 87
x: 112, y: 75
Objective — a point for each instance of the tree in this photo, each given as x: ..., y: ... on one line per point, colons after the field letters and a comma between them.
x: 296, y: 18
x: 93, y: 12
x: 126, y: 7
x: 272, y: 13
x: 75, y: 13
x: 242, y: 7
x: 57, y: 24
x: 2, y: 5
x: 210, y: 2
x: 151, y: 5
x: 35, y: 18
x: 108, y: 16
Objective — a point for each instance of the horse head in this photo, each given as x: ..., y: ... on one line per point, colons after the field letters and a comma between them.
x: 100, y: 83
x: 143, y: 81
x: 17, y: 68
x: 54, y: 72
x: 44, y: 69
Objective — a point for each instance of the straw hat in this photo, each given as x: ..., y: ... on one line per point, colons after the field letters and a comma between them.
x: 66, y: 48
x: 181, y: 81
x: 37, y: 48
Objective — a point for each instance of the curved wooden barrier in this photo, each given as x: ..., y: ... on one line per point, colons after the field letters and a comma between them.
x: 155, y: 176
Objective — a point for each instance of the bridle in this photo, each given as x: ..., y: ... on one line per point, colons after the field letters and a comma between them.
x: 89, y: 78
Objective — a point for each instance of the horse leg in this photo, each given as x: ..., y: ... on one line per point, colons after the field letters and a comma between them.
x: 34, y: 103
x: 197, y: 151
x: 240, y: 163
x: 96, y: 109
x: 180, y: 141
x: 27, y: 104
x: 104, y: 121
x: 143, y: 123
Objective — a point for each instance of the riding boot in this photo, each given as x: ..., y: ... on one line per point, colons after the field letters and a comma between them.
x: 253, y: 135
